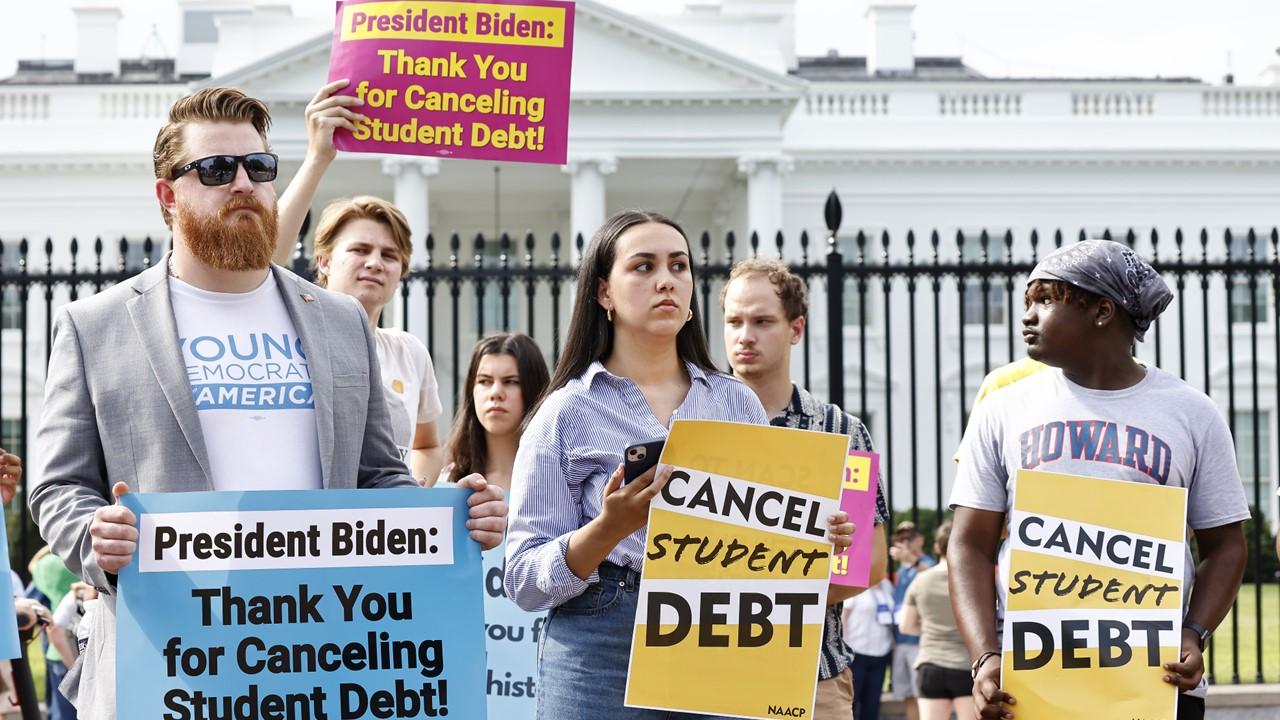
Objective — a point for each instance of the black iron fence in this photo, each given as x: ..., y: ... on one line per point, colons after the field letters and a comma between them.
x: 903, y: 327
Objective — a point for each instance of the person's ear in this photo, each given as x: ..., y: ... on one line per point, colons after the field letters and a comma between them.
x: 1104, y: 312
x: 797, y: 330
x: 602, y: 295
x: 165, y: 194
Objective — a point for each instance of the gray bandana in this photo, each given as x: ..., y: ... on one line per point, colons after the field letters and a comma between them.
x: 1112, y: 270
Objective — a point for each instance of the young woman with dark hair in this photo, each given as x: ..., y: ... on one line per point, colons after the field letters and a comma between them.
x: 635, y: 359
x: 506, y: 378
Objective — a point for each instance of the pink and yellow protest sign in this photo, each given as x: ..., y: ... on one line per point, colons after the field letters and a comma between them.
x: 478, y: 80
x: 852, y: 566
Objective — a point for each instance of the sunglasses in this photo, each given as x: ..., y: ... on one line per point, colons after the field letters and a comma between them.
x: 221, y: 169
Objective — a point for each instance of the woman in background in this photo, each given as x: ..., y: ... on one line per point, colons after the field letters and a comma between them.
x: 942, y: 667
x: 506, y: 378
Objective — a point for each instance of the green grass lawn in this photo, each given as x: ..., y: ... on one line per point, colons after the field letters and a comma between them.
x: 1220, y: 660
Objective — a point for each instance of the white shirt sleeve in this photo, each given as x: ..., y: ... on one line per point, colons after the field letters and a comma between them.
x: 981, y: 477
x: 1215, y: 495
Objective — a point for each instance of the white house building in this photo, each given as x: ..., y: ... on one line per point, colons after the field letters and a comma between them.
x: 712, y: 117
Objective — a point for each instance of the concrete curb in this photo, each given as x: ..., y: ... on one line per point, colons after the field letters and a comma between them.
x: 1239, y: 696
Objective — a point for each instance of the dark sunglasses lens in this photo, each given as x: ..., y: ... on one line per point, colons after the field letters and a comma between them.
x: 261, y: 167
x: 217, y: 170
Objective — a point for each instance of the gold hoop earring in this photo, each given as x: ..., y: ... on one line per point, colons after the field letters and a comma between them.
x: 690, y: 315
x: 609, y: 314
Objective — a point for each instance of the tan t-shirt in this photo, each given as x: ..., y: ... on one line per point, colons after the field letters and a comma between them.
x: 940, y: 641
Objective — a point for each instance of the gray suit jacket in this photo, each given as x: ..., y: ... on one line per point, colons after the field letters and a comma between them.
x: 118, y: 406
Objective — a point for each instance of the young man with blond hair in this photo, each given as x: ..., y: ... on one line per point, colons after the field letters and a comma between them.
x: 764, y: 306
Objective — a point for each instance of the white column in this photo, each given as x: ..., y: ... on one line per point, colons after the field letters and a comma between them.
x: 587, y: 195
x: 764, y: 197
x: 412, y: 196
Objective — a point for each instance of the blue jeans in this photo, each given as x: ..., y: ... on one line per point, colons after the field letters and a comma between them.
x: 584, y: 652
x: 59, y: 707
x: 868, y: 684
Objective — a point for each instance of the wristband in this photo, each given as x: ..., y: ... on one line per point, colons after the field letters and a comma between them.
x: 973, y: 671
x: 1202, y: 633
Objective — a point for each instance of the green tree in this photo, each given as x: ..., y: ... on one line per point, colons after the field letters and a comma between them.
x: 927, y: 523
x: 1262, y: 565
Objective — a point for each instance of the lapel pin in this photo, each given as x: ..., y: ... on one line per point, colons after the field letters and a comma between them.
x: 307, y: 297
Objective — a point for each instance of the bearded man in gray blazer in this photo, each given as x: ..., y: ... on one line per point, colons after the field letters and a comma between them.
x: 213, y: 370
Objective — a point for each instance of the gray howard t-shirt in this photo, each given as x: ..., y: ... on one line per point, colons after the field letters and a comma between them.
x: 1158, y: 431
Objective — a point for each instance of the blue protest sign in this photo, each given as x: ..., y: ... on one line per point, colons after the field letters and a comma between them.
x: 9, y: 646
x: 511, y: 638
x: 305, y: 605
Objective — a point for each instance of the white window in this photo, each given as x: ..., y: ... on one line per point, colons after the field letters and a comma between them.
x: 10, y: 302
x: 976, y: 312
x: 491, y: 306
x: 852, y: 300
x: 1242, y: 309
x: 135, y: 253
x: 1250, y: 447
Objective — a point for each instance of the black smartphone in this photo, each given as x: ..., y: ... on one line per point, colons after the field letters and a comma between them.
x: 638, y: 458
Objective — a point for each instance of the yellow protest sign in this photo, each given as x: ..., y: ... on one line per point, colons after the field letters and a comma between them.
x: 734, y: 586
x: 1095, y: 585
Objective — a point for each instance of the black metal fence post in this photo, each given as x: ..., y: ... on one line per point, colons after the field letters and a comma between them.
x: 835, y: 302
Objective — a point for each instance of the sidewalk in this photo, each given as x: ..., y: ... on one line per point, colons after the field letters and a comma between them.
x: 1226, y: 702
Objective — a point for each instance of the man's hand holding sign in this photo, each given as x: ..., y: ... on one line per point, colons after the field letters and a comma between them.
x: 1094, y: 598
x: 307, y: 605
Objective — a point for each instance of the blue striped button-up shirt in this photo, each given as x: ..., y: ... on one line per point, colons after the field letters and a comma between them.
x: 566, y: 456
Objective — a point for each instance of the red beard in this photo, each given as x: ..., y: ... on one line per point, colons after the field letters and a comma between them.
x: 233, y: 240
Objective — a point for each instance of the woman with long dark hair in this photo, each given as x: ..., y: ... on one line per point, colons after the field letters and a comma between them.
x: 635, y: 359
x: 506, y: 378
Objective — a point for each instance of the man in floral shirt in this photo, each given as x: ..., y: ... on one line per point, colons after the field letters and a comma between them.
x: 764, y: 316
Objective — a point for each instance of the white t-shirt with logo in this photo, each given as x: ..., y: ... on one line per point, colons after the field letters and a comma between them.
x: 409, y: 380
x: 252, y: 387
x: 1159, y: 431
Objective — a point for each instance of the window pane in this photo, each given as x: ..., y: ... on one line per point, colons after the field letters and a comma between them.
x: 10, y: 309
x: 1240, y: 307
x: 851, y: 300
x: 974, y: 311
x: 1247, y: 444
x: 491, y: 307
x: 1241, y: 310
x: 11, y: 434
